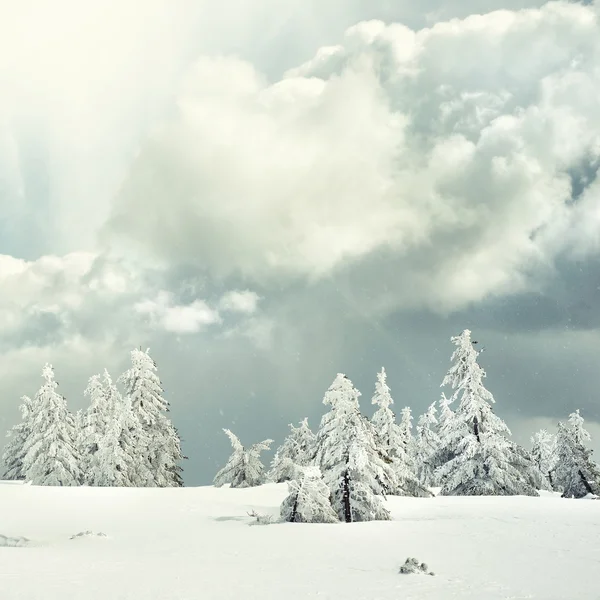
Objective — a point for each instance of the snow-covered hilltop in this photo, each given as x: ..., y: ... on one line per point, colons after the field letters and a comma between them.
x: 175, y: 544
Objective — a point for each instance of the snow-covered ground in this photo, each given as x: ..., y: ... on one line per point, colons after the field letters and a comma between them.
x: 196, y: 544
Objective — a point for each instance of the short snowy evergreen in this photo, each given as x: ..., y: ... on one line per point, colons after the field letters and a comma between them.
x: 51, y: 454
x: 157, y: 441
x: 298, y: 449
x: 485, y: 462
x: 244, y: 467
x: 353, y: 468
x: 576, y: 474
x: 389, y: 439
x: 427, y: 447
x: 14, y: 451
x: 543, y: 452
x: 308, y: 499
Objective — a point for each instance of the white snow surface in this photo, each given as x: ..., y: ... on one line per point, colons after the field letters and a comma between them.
x: 190, y: 543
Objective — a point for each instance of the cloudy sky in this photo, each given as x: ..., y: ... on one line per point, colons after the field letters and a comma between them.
x: 266, y: 193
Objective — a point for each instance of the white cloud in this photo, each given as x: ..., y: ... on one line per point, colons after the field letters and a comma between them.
x: 176, y: 318
x: 240, y: 301
x: 446, y: 147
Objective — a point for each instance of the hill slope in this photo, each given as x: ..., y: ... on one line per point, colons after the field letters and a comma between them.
x: 191, y: 543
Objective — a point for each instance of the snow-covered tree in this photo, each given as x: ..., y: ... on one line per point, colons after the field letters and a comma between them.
x: 390, y: 441
x: 112, y: 463
x: 485, y: 461
x: 298, y: 449
x: 406, y: 434
x: 91, y: 426
x: 157, y: 441
x: 448, y: 432
x: 427, y: 446
x: 308, y: 499
x: 244, y: 467
x: 51, y: 455
x: 575, y: 472
x: 543, y: 453
x: 354, y: 469
x: 14, y: 451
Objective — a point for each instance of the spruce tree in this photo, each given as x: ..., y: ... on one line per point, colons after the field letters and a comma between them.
x: 390, y: 441
x: 353, y: 468
x: 485, y: 461
x: 298, y: 449
x: 51, y: 454
x: 157, y: 440
x: 543, y: 452
x: 14, y: 451
x: 427, y: 447
x: 244, y: 467
x: 576, y: 473
x: 92, y: 425
x: 308, y: 499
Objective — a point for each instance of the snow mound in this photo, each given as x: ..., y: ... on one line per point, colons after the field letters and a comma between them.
x: 412, y: 565
x: 12, y: 542
x: 85, y: 534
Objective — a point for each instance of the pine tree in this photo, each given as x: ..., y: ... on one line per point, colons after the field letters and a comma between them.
x: 485, y: 462
x: 51, y: 455
x: 427, y: 447
x: 92, y: 425
x: 157, y: 440
x: 244, y: 468
x: 390, y: 441
x: 576, y: 473
x: 354, y: 469
x: 298, y: 449
x: 14, y: 451
x: 543, y: 452
x: 111, y: 464
x: 308, y: 499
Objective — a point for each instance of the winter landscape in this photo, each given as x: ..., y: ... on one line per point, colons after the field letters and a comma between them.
x: 334, y: 514
x: 299, y: 299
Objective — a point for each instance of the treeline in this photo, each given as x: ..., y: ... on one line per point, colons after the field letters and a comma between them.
x: 345, y: 470
x: 124, y: 437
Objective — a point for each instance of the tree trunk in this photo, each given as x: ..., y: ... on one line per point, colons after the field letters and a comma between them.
x: 346, y: 498
x: 585, y: 482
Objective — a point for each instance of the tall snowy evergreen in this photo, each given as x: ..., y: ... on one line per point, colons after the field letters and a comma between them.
x: 92, y: 426
x: 389, y: 439
x: 51, y: 455
x: 427, y: 447
x: 298, y: 449
x: 14, y: 451
x: 158, y: 441
x: 108, y: 461
x: 543, y: 452
x: 485, y: 462
x: 576, y: 474
x: 308, y: 499
x: 353, y: 468
x: 244, y: 467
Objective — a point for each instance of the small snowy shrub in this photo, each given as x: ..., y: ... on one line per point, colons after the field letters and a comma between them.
x: 412, y: 565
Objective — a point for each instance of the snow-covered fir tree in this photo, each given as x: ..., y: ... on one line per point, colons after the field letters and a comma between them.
x: 111, y: 463
x: 485, y: 461
x: 51, y: 454
x: 244, y: 467
x: 298, y: 449
x: 14, y: 451
x: 308, y: 499
x: 427, y: 446
x: 543, y: 452
x: 389, y: 439
x: 447, y: 434
x: 576, y: 474
x: 354, y: 468
x: 91, y: 426
x: 157, y: 441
